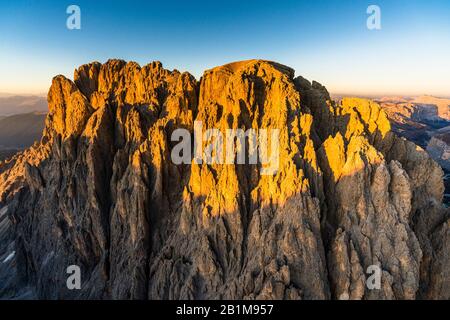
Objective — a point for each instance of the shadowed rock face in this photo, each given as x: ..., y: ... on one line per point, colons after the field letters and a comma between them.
x: 101, y: 191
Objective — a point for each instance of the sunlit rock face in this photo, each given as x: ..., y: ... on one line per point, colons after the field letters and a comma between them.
x: 101, y: 191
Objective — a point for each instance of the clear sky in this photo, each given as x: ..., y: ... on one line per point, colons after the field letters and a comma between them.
x: 322, y: 40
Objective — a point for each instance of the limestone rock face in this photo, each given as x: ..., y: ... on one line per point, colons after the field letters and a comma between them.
x: 439, y: 149
x: 101, y: 191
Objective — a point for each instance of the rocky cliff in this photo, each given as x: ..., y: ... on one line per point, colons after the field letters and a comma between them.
x: 439, y: 149
x: 100, y: 191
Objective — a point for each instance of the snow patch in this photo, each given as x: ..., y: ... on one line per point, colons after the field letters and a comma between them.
x: 9, y: 257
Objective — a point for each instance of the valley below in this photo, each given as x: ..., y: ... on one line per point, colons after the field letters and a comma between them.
x: 22, y: 120
x: 426, y: 122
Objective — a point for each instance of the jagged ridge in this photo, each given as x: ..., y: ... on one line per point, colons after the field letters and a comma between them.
x: 101, y: 191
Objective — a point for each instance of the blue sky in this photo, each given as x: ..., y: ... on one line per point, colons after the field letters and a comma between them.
x: 322, y: 40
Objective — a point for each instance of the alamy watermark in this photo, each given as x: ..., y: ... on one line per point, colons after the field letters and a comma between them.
x: 373, y: 282
x: 237, y: 146
x: 74, y: 280
x: 73, y: 22
x: 374, y: 19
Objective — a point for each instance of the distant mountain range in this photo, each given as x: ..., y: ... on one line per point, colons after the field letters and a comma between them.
x: 432, y: 108
x: 22, y: 120
x: 418, y: 119
x: 21, y: 130
x: 11, y: 105
x: 424, y: 120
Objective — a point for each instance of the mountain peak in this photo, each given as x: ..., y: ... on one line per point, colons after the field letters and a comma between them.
x: 102, y: 191
x: 233, y: 67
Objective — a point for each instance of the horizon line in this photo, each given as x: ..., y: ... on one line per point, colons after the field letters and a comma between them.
x: 332, y: 94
